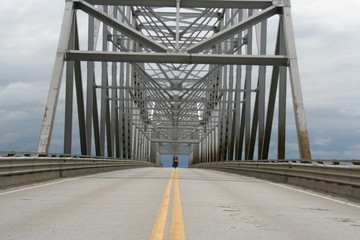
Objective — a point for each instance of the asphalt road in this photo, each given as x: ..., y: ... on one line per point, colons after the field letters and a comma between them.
x: 200, y: 204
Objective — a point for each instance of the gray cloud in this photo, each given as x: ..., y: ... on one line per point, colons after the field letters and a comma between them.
x: 327, y: 40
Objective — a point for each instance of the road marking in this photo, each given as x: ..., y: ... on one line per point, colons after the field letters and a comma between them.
x: 302, y: 191
x: 312, y: 194
x: 48, y: 184
x: 37, y: 186
x: 177, y: 223
x: 158, y: 232
x: 177, y: 226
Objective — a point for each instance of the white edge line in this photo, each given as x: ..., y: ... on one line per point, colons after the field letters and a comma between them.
x: 48, y: 184
x: 298, y: 190
x: 312, y: 194
x: 37, y: 186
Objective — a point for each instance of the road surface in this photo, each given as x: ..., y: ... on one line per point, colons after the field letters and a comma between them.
x: 152, y: 203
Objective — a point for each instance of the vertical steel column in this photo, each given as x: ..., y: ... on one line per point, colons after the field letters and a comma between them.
x: 153, y: 152
x: 282, y: 99
x: 148, y: 149
x: 259, y: 108
x: 115, y: 132
x: 128, y: 83
x: 216, y: 140
x: 135, y: 146
x: 237, y: 121
x: 225, y: 85
x: 109, y: 140
x: 242, y: 130
x: 126, y: 115
x: 272, y: 98
x: 238, y: 106
x: 80, y: 96
x: 248, y: 93
x: 69, y: 93
x: 224, y: 113
x: 121, y: 111
x: 104, y: 82
x: 133, y: 134
x: 95, y: 119
x: 53, y: 95
x: 177, y: 36
x: 254, y: 127
x: 299, y: 111
x: 232, y: 106
x: 261, y: 91
x: 120, y: 122
x: 89, y: 87
x: 212, y: 147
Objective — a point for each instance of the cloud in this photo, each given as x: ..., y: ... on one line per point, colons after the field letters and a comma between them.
x: 350, y: 111
x: 352, y: 152
x: 21, y: 107
x: 326, y: 38
x: 322, y: 141
x: 29, y: 34
x: 326, y: 154
x: 25, y: 94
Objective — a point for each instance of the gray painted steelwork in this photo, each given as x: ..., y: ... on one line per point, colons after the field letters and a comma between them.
x: 196, y: 77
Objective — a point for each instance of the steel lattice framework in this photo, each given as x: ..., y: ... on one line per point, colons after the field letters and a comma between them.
x: 197, y: 77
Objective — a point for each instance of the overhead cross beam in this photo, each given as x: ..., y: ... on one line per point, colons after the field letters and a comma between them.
x: 92, y: 11
x: 256, y: 4
x: 225, y: 34
x: 74, y: 55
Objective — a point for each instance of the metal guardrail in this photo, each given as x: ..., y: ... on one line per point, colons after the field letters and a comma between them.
x: 320, y: 161
x: 36, y: 154
x: 341, y: 174
x: 20, y: 163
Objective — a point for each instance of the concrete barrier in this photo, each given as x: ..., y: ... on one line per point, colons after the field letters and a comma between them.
x: 24, y: 170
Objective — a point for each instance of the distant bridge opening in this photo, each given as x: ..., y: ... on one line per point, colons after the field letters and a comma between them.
x: 166, y: 161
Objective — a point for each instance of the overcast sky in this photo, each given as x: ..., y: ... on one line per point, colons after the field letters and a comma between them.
x: 327, y: 35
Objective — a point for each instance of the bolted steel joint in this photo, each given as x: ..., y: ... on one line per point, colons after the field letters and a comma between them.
x: 282, y: 3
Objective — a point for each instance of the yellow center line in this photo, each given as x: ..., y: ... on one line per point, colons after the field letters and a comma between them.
x: 158, y: 232
x: 177, y: 226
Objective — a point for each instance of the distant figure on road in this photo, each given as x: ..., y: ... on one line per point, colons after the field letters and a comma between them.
x: 175, y: 161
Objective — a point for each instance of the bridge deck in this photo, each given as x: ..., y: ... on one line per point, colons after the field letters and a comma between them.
x: 215, y: 205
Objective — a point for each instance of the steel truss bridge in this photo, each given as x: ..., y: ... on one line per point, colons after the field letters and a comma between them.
x: 204, y: 78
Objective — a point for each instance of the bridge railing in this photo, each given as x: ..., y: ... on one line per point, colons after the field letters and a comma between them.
x: 319, y: 161
x: 338, y: 176
x: 24, y: 167
x: 36, y: 154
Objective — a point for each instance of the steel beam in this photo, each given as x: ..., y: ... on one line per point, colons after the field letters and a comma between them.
x: 160, y: 140
x: 69, y: 93
x: 178, y: 89
x: 74, y: 55
x: 282, y: 99
x: 228, y: 32
x: 272, y: 97
x: 53, y: 95
x: 298, y: 103
x: 131, y: 32
x: 188, y: 3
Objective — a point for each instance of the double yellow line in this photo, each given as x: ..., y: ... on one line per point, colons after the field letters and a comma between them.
x: 177, y: 223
